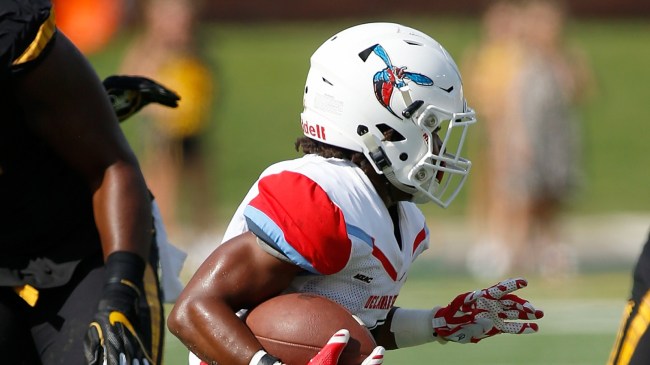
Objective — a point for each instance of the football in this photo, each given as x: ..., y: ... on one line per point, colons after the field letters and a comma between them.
x: 294, y: 327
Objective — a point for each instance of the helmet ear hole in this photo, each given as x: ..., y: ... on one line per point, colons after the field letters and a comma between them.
x: 403, y: 156
x: 390, y: 134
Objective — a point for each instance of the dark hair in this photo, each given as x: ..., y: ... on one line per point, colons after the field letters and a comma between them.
x: 307, y: 145
x: 389, y: 194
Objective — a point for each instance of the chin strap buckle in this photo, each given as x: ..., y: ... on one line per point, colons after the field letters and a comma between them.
x: 375, y: 151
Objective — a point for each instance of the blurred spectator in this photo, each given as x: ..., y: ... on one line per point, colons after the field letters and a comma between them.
x: 531, y: 137
x: 492, y: 67
x: 167, y: 49
x: 554, y: 79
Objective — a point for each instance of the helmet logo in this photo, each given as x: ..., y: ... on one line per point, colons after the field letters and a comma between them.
x: 391, y: 77
x: 313, y: 130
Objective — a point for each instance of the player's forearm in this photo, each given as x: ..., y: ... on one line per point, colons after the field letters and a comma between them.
x: 123, y: 210
x: 203, y: 317
x: 212, y: 331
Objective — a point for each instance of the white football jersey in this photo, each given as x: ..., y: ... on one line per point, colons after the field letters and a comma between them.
x: 325, y: 216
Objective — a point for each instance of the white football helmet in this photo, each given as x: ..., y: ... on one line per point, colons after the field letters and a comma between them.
x: 380, y: 76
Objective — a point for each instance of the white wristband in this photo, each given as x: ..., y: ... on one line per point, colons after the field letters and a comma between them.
x: 412, y: 327
x: 261, y: 357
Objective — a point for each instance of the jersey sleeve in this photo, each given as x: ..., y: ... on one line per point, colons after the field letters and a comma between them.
x: 295, y: 216
x: 27, y: 27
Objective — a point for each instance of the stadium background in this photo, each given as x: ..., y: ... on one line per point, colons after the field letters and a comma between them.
x: 260, y: 50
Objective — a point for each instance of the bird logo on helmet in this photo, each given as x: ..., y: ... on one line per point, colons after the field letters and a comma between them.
x: 391, y: 77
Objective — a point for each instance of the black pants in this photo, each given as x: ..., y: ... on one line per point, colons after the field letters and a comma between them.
x: 52, y: 332
x: 632, y: 345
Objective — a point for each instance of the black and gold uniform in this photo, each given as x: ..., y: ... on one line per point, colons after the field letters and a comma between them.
x: 51, y: 265
x: 632, y: 346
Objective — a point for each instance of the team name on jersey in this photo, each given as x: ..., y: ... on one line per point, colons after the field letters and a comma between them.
x: 380, y: 302
x: 314, y: 130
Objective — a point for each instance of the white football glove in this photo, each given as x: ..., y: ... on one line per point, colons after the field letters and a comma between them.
x: 473, y: 316
x: 330, y: 353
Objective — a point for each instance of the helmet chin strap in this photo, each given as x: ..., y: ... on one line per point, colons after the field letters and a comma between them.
x: 377, y: 153
x: 406, y: 95
x: 396, y: 183
x: 382, y: 162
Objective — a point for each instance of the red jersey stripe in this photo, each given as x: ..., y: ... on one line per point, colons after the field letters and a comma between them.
x: 419, y: 239
x: 384, y: 262
x: 310, y: 222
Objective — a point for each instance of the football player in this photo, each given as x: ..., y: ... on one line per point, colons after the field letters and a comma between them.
x: 632, y: 346
x: 384, y: 123
x: 78, y: 270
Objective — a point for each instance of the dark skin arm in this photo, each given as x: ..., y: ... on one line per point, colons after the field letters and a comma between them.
x: 238, y: 274
x: 66, y: 105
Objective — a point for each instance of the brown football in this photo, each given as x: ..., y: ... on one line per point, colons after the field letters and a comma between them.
x: 294, y: 327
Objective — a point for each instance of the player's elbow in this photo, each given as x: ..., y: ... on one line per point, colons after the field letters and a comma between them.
x: 178, y: 321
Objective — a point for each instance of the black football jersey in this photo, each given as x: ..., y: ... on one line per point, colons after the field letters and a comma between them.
x: 45, y: 206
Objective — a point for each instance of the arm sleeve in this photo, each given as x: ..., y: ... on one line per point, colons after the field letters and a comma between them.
x: 296, y: 217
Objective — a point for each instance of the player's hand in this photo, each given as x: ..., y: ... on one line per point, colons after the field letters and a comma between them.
x: 129, y: 94
x: 473, y: 316
x: 112, y: 337
x: 330, y: 353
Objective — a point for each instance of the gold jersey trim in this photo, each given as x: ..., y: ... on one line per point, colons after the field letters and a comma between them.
x: 28, y: 293
x: 45, y: 33
x: 156, y: 313
x: 630, y: 332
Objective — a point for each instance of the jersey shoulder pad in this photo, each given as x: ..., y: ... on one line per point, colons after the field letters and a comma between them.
x: 295, y: 215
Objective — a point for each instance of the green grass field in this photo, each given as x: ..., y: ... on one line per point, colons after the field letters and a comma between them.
x: 261, y: 70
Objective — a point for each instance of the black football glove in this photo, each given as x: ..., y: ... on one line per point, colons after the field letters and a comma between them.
x: 129, y: 94
x: 112, y: 337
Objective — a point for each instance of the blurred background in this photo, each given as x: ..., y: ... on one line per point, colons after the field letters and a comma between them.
x: 559, y: 91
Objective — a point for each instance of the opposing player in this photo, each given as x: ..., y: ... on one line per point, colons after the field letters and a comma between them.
x: 78, y: 268
x: 632, y: 346
x: 384, y: 123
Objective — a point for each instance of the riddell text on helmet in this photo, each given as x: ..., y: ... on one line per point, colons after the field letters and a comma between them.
x: 314, y: 130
